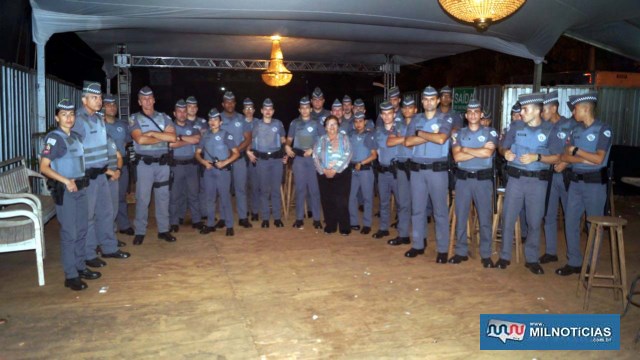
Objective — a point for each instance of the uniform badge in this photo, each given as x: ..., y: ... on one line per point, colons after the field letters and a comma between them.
x: 561, y: 135
x: 482, y: 138
x: 591, y: 137
x: 449, y: 120
x: 274, y: 129
x: 310, y: 129
x: 51, y: 141
x: 435, y: 127
x: 113, y: 146
x: 607, y: 133
x: 188, y: 132
x: 132, y: 121
x: 493, y: 133
x: 230, y: 137
x: 218, y: 137
x: 238, y: 124
x: 47, y: 149
x: 120, y: 129
x: 542, y: 137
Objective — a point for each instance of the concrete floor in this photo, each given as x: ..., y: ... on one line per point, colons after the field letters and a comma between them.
x: 285, y: 293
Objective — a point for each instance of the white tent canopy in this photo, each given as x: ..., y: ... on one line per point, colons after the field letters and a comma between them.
x: 330, y: 30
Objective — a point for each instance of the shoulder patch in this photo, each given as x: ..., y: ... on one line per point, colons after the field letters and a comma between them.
x: 607, y: 133
x: 51, y: 141
x: 542, y: 137
x: 562, y: 135
x: 493, y: 133
x: 230, y: 137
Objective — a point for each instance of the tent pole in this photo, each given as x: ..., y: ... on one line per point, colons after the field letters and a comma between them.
x: 537, y: 76
x: 108, y: 84
x: 41, y: 107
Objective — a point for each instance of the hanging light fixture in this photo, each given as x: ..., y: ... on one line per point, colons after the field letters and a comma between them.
x: 276, y: 74
x: 481, y: 13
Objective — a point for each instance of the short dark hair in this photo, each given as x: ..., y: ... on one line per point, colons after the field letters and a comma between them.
x: 331, y: 117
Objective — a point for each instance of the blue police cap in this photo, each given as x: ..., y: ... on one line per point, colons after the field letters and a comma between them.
x: 408, y: 100
x: 385, y: 105
x: 358, y: 102
x: 429, y: 91
x: 228, y: 95
x: 534, y: 98
x: 317, y: 93
x: 145, y: 91
x: 474, y: 104
x: 336, y: 104
x: 346, y: 99
x: 192, y: 100
x: 394, y: 92
x: 181, y: 104
x: 92, y: 87
x: 486, y: 114
x: 267, y: 103
x: 591, y: 96
x: 108, y: 99
x: 65, y: 104
x: 359, y: 115
x: 570, y: 102
x: 551, y: 98
x: 516, y: 108
x: 305, y: 100
x: 247, y: 102
x: 213, y: 113
x: 446, y: 90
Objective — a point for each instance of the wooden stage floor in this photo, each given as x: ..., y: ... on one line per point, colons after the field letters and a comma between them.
x: 286, y: 294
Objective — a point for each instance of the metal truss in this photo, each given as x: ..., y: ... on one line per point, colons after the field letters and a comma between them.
x: 127, y: 60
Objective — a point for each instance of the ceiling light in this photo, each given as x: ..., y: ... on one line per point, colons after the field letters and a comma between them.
x: 276, y: 74
x: 481, y: 13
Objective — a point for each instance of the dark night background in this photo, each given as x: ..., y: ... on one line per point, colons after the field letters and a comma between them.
x: 70, y: 59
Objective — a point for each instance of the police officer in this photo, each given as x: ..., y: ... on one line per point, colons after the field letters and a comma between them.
x: 253, y: 192
x: 93, y: 132
x: 152, y: 132
x: 428, y: 134
x: 266, y: 152
x: 234, y: 124
x: 387, y: 176
x: 62, y: 160
x: 202, y: 126
x: 318, y: 112
x: 114, y: 163
x: 473, y: 149
x: 558, y: 191
x: 446, y: 98
x: 588, y: 152
x: 403, y: 170
x: 364, y: 150
x: 217, y: 151
x: 394, y: 100
x: 347, y: 108
x: 117, y: 130
x: 303, y: 133
x: 338, y: 111
x: 185, y: 188
x: 530, y: 147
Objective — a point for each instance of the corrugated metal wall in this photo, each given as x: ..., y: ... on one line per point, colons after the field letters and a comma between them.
x: 620, y: 108
x: 18, y: 119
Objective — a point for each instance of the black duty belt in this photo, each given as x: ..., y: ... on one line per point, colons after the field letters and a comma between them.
x: 269, y: 155
x: 148, y: 160
x: 485, y: 174
x: 93, y: 173
x: 403, y: 165
x: 517, y: 173
x: 299, y: 152
x: 435, y: 167
x: 82, y: 182
x: 352, y: 166
x: 595, y: 177
x: 383, y: 169
x: 185, y: 162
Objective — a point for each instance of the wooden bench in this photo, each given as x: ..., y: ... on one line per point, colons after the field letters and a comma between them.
x: 23, y: 214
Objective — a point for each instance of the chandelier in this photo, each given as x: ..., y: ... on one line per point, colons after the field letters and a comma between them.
x: 481, y: 13
x: 276, y: 74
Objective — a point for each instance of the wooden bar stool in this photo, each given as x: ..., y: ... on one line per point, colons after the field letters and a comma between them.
x: 619, y: 273
x: 496, y: 223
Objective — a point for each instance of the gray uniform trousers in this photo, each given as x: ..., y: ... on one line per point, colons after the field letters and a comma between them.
x: 73, y: 218
x: 184, y: 192
x: 114, y: 189
x: 147, y: 176
x: 100, y: 214
x: 425, y: 185
x: 531, y: 193
x: 306, y: 183
x: 387, y: 184
x: 122, y: 217
x: 361, y: 180
x: 202, y: 195
x: 218, y: 183
x: 253, y: 198
x: 270, y: 176
x: 481, y: 192
x: 557, y: 194
x: 583, y: 197
x: 403, y: 204
x: 239, y: 176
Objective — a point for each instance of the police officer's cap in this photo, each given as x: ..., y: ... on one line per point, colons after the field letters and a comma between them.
x: 551, y: 98
x: 213, y: 113
x: 346, y: 99
x: 474, y: 104
x: 228, y: 95
x: 192, y: 100
x: 92, y: 87
x: 65, y: 104
x: 429, y: 91
x: 145, y: 91
x: 305, y: 100
x: 108, y: 99
x: 591, y: 96
x: 317, y: 93
x: 486, y: 114
x: 516, y: 108
x: 535, y: 98
x: 394, y: 92
x: 570, y: 102
x: 247, y: 102
x: 267, y: 103
x: 385, y: 105
x: 408, y: 100
x: 181, y: 104
x: 336, y: 104
x: 446, y: 90
x: 358, y: 115
x: 358, y: 102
